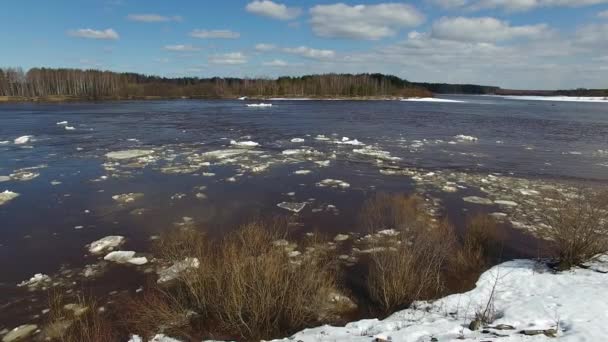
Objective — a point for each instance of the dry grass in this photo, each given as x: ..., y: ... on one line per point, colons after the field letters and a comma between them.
x: 247, y: 286
x: 410, y: 269
x: 482, y: 244
x: 576, y: 227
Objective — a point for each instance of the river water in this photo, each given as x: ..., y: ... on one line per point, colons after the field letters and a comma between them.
x: 194, y: 162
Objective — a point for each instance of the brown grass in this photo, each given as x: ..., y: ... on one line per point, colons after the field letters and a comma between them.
x: 412, y: 268
x: 576, y: 227
x: 482, y: 244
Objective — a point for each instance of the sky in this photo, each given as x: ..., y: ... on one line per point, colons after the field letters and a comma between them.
x: 518, y: 44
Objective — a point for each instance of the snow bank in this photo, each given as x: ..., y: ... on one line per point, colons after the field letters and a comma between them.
x: 529, y: 298
x: 430, y: 99
x: 596, y: 99
x: 7, y: 196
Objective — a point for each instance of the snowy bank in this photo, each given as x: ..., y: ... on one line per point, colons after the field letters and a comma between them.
x: 596, y: 99
x: 529, y: 299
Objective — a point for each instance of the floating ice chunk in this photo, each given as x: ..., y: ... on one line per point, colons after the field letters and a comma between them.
x: 341, y: 237
x: 298, y: 151
x: 244, y: 143
x: 4, y: 142
x: 302, y: 172
x: 106, y: 243
x: 20, y: 333
x: 597, y: 99
x: 292, y: 206
x: 23, y: 139
x: 39, y: 280
x: 333, y: 183
x: 463, y: 137
x: 527, y: 192
x: 259, y: 105
x: 430, y: 99
x: 506, y: 203
x: 62, y: 123
x: 321, y: 137
x: 376, y: 153
x: 322, y: 163
x: 477, y: 200
x: 297, y: 140
x: 125, y: 257
x: 69, y: 128
x: 127, y: 198
x: 178, y: 267
x: 223, y: 154
x: 4, y: 179
x: 128, y: 154
x: 242, y: 98
x: 7, y: 196
x: 347, y: 141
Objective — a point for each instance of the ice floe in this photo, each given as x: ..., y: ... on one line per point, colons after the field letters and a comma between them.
x: 5, y: 179
x: 376, y: 153
x: 348, y: 141
x: 292, y: 206
x: 23, y: 139
x: 38, y: 281
x: 69, y: 128
x: 127, y: 198
x: 297, y: 140
x: 477, y: 200
x: 302, y: 172
x: 259, y: 105
x: 430, y: 99
x: 170, y: 273
x: 462, y: 137
x: 333, y: 183
x: 244, y: 143
x: 128, y: 154
x: 125, y: 257
x: 62, y: 123
x: 20, y: 333
x: 7, y: 196
x: 107, y: 243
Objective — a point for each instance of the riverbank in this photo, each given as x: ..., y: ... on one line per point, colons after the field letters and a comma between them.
x: 67, y: 99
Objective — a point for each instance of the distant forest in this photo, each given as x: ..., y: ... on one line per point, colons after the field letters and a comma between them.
x: 65, y: 84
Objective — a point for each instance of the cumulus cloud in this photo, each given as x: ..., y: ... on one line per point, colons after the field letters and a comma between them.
x: 525, y: 5
x: 107, y: 34
x: 181, y: 48
x: 274, y: 10
x: 369, y: 22
x: 308, y: 52
x: 232, y: 58
x: 215, y: 34
x: 276, y: 63
x: 152, y: 18
x: 484, y: 29
x: 265, y: 47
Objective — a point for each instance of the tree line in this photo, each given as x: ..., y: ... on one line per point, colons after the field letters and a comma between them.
x: 96, y: 84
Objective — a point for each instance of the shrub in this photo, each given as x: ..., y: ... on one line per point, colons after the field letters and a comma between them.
x: 576, y: 227
x: 411, y: 268
x: 482, y: 244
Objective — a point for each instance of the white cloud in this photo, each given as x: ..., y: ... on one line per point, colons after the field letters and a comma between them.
x: 152, y: 18
x: 276, y: 63
x: 265, y: 47
x: 593, y: 35
x: 484, y: 29
x: 231, y: 58
x: 525, y: 5
x: 108, y: 34
x: 603, y: 14
x: 273, y: 10
x: 215, y: 34
x: 370, y: 22
x: 308, y: 52
x: 181, y: 48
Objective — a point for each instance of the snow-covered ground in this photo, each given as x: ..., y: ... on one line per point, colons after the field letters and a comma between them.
x: 430, y: 99
x: 596, y: 99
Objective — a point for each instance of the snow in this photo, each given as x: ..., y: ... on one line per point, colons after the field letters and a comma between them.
x: 259, y: 105
x: 173, y: 271
x: 23, y: 139
x: 244, y: 143
x: 292, y: 206
x: 431, y: 99
x: 125, y: 257
x: 595, y: 99
x: 128, y: 154
x: 106, y: 243
x: 7, y: 196
x: 528, y: 296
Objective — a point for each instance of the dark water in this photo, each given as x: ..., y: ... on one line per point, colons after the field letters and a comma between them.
x: 548, y: 140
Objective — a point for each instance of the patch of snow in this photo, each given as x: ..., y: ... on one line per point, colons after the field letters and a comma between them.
x: 106, y: 243
x: 23, y: 140
x: 244, y: 143
x: 430, y: 99
x: 7, y: 196
x: 292, y: 206
x: 172, y: 272
x: 128, y: 154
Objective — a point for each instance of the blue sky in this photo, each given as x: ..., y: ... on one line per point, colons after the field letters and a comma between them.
x: 510, y: 43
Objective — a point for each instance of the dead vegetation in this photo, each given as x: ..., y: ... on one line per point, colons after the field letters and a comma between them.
x: 576, y: 227
x: 482, y: 244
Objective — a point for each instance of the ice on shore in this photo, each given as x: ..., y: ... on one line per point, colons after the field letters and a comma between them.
x: 7, y: 196
x: 23, y: 140
x: 292, y: 206
x: 20, y: 333
x: 259, y: 105
x: 596, y: 99
x: 430, y: 99
x: 125, y: 257
x: 172, y: 272
x: 333, y: 183
x: 128, y: 154
x: 106, y: 243
x: 244, y: 143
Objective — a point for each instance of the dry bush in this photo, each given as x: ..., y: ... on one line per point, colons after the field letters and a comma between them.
x: 249, y: 287
x: 400, y: 273
x: 576, y: 227
x: 66, y: 326
x: 482, y: 244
